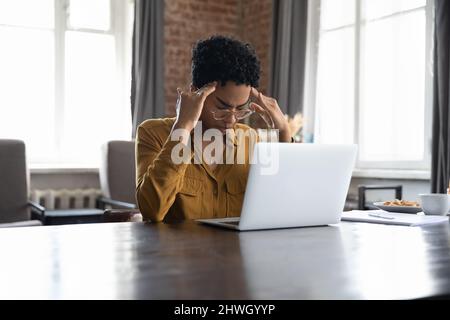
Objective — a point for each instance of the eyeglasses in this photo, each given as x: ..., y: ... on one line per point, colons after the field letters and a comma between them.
x: 238, y: 114
x: 219, y: 114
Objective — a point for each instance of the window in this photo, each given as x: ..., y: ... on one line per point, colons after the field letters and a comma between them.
x: 373, y: 79
x: 65, y: 78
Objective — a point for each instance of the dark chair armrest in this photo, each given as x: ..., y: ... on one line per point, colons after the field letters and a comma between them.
x: 119, y: 215
x: 103, y: 201
x: 37, y: 211
x: 363, y: 188
x: 36, y: 208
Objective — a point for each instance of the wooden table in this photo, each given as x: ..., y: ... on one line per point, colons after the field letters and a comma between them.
x: 191, y: 261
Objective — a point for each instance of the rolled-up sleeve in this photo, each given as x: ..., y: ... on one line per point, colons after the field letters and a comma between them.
x: 158, y: 178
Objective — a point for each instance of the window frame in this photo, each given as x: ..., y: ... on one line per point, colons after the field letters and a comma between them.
x: 117, y: 28
x: 313, y: 39
x: 120, y: 27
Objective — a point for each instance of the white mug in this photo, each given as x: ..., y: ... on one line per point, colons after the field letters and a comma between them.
x: 435, y: 203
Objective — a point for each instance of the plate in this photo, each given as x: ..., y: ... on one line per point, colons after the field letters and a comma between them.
x: 402, y: 209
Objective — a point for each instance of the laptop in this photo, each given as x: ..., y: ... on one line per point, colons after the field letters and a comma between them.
x: 293, y: 185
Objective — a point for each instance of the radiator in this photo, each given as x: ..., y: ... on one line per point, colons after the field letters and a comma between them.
x: 53, y: 199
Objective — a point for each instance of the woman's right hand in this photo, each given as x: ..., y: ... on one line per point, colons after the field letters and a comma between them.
x: 190, y: 105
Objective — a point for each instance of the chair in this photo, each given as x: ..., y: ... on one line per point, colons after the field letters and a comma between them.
x: 118, y: 182
x: 15, y: 209
x: 362, y: 189
x: 72, y: 216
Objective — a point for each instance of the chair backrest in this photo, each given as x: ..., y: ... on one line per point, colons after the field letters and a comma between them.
x: 13, y: 181
x: 118, y: 171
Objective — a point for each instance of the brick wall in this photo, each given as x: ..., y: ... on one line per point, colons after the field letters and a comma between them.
x: 257, y: 30
x: 186, y: 21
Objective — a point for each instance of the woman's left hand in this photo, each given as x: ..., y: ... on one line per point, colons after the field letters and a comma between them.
x: 268, y: 105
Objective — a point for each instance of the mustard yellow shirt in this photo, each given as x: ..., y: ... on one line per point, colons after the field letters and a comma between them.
x: 171, y: 192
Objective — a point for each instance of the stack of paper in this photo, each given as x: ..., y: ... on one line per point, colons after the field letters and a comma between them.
x: 380, y: 216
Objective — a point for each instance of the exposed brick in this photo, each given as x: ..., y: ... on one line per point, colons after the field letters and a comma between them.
x: 187, y: 21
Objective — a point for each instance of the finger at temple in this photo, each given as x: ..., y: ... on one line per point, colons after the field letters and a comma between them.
x: 258, y: 108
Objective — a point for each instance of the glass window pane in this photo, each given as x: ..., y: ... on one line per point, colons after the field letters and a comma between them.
x: 94, y: 110
x: 336, y: 13
x: 90, y: 14
x: 27, y: 90
x: 335, y: 87
x: 31, y: 13
x: 392, y: 111
x: 378, y: 8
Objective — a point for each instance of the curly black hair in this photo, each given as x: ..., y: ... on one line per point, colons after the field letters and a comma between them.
x: 220, y: 58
